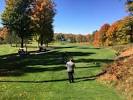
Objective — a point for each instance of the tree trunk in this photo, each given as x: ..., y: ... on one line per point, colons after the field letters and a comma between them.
x: 11, y: 44
x: 46, y: 44
x: 41, y: 42
x: 16, y: 45
x: 26, y: 47
x: 22, y: 42
x: 38, y: 43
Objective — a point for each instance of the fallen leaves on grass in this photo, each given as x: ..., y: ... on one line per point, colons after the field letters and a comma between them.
x: 120, y: 73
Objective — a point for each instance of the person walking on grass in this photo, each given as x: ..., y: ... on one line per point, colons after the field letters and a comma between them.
x: 70, y: 69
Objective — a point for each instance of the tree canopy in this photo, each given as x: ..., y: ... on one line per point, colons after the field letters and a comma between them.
x: 42, y: 16
x: 26, y: 18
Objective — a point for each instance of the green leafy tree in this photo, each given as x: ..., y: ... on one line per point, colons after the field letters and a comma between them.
x: 59, y: 37
x: 16, y: 18
x: 129, y: 6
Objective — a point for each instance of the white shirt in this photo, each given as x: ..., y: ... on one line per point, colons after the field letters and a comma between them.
x: 70, y: 66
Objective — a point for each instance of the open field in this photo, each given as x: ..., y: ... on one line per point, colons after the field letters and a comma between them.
x: 44, y: 77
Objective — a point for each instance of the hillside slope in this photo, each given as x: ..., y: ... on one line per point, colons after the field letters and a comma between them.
x: 120, y: 73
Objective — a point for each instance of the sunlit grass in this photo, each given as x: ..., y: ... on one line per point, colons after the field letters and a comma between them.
x: 44, y: 77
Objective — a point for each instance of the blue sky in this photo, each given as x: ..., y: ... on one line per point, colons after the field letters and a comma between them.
x: 2, y: 5
x: 85, y: 16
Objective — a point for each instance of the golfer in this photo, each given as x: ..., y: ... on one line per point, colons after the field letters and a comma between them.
x: 70, y: 69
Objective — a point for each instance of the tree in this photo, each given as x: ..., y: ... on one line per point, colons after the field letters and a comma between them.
x: 59, y: 37
x: 16, y: 18
x: 129, y: 6
x: 96, y: 41
x: 49, y: 34
x: 3, y: 34
x: 103, y: 34
x: 70, y: 38
x: 120, y: 32
x: 42, y: 16
x: 88, y: 38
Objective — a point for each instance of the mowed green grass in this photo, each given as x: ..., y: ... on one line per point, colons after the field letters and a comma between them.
x: 44, y: 77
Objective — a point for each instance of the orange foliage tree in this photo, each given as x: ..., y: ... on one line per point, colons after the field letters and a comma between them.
x: 96, y: 41
x: 43, y: 13
x: 103, y: 34
x: 120, y: 32
x: 3, y: 33
x: 100, y: 36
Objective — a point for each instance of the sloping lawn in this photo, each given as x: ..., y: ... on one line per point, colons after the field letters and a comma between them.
x: 44, y: 77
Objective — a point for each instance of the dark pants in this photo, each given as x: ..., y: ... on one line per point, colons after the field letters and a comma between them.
x: 70, y: 76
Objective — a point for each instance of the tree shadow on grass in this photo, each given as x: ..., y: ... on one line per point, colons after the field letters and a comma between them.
x: 23, y: 70
x: 63, y: 47
x: 78, y: 79
x: 92, y: 66
x: 95, y: 61
x: 12, y: 65
x: 88, y: 48
x: 8, y: 56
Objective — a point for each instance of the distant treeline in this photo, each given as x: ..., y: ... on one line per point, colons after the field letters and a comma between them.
x: 120, y: 32
x: 71, y: 38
